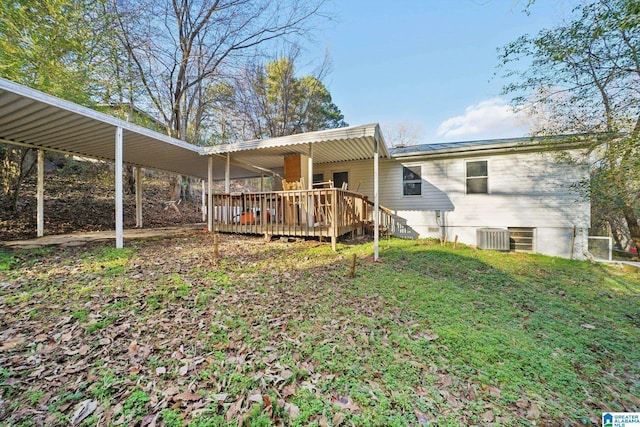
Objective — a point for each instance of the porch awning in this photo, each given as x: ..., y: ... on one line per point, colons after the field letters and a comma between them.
x: 329, y: 146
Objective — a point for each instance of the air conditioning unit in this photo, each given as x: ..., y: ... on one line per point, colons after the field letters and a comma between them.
x: 496, y: 239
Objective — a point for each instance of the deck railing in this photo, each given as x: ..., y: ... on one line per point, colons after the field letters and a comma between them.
x: 323, y: 213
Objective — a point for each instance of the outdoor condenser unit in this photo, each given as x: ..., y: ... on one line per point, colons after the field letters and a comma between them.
x: 496, y: 239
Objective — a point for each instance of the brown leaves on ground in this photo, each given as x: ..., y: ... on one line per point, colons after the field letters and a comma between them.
x: 170, y: 328
x: 80, y: 347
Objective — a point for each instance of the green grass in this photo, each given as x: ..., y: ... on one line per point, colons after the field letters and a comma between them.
x: 453, y: 336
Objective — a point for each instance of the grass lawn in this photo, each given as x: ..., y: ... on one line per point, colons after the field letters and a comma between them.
x: 161, y: 333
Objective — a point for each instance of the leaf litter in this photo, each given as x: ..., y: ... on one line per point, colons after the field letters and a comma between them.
x: 179, y: 330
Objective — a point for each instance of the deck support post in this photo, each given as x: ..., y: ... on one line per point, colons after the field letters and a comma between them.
x: 40, y: 195
x: 118, y: 173
x: 138, y: 197
x: 376, y: 203
x: 210, y: 194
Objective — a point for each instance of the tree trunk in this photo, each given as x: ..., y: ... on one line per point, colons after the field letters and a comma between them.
x: 615, y: 232
x: 23, y: 172
x: 632, y: 223
x: 175, y: 187
x: 130, y: 179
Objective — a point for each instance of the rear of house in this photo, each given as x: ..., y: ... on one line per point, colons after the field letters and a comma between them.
x: 525, y: 188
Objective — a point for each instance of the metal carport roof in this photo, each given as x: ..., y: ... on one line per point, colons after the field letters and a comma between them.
x: 34, y: 119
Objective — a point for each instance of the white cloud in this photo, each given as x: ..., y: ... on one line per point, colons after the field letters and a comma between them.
x: 492, y: 118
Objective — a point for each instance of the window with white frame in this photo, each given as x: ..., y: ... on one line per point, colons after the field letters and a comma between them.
x: 477, y: 178
x: 412, y: 180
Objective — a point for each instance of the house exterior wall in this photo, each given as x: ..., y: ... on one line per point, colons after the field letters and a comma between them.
x: 531, y: 190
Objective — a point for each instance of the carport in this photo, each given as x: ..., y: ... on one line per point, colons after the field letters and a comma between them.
x: 33, y: 119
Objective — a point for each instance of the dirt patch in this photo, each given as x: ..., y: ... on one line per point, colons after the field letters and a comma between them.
x: 80, y: 198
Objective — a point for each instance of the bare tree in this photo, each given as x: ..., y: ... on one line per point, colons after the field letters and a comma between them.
x: 181, y: 47
x: 404, y: 133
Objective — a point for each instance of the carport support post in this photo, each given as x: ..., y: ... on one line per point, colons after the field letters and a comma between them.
x: 138, y: 197
x: 227, y: 175
x: 119, y: 210
x: 204, y: 201
x: 376, y: 204
x: 40, y: 195
x: 210, y: 194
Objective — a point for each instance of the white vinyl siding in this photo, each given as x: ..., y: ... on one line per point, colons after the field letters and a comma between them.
x: 527, y: 190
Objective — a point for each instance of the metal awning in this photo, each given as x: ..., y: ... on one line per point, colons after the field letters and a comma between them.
x: 329, y: 146
x: 34, y: 119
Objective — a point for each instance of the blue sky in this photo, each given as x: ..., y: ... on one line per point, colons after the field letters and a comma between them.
x: 428, y: 63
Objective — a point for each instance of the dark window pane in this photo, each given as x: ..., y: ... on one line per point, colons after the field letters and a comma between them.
x: 340, y: 178
x: 318, y: 177
x: 411, y: 174
x: 477, y: 168
x: 412, y: 188
x: 477, y: 186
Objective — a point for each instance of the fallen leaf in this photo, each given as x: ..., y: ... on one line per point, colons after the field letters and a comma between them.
x: 220, y: 397
x: 324, y: 422
x: 522, y: 403
x: 255, y: 397
x: 133, y: 347
x: 286, y: 374
x: 444, y: 381
x: 161, y: 370
x: 184, y: 369
x: 534, y: 412
x: 83, y: 410
x: 171, y: 391
x: 187, y: 397
x: 493, y: 391
x: 234, y: 409
x: 428, y: 335
x: 292, y: 410
x: 345, y: 402
x: 11, y: 343
x: 149, y: 420
x: 421, y: 416
x: 289, y: 390
x: 488, y: 416
x: 588, y: 326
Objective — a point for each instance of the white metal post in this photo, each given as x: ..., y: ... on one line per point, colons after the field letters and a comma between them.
x: 40, y: 195
x: 376, y: 205
x: 227, y: 173
x: 138, y: 197
x: 210, y: 195
x: 204, y: 201
x: 310, y: 185
x: 118, y: 172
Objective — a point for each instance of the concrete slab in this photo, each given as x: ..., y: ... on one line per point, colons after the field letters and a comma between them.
x: 78, y: 239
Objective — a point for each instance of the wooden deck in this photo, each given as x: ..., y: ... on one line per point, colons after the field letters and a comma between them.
x: 326, y: 213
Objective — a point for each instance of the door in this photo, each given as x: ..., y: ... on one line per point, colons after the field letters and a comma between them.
x: 340, y: 178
